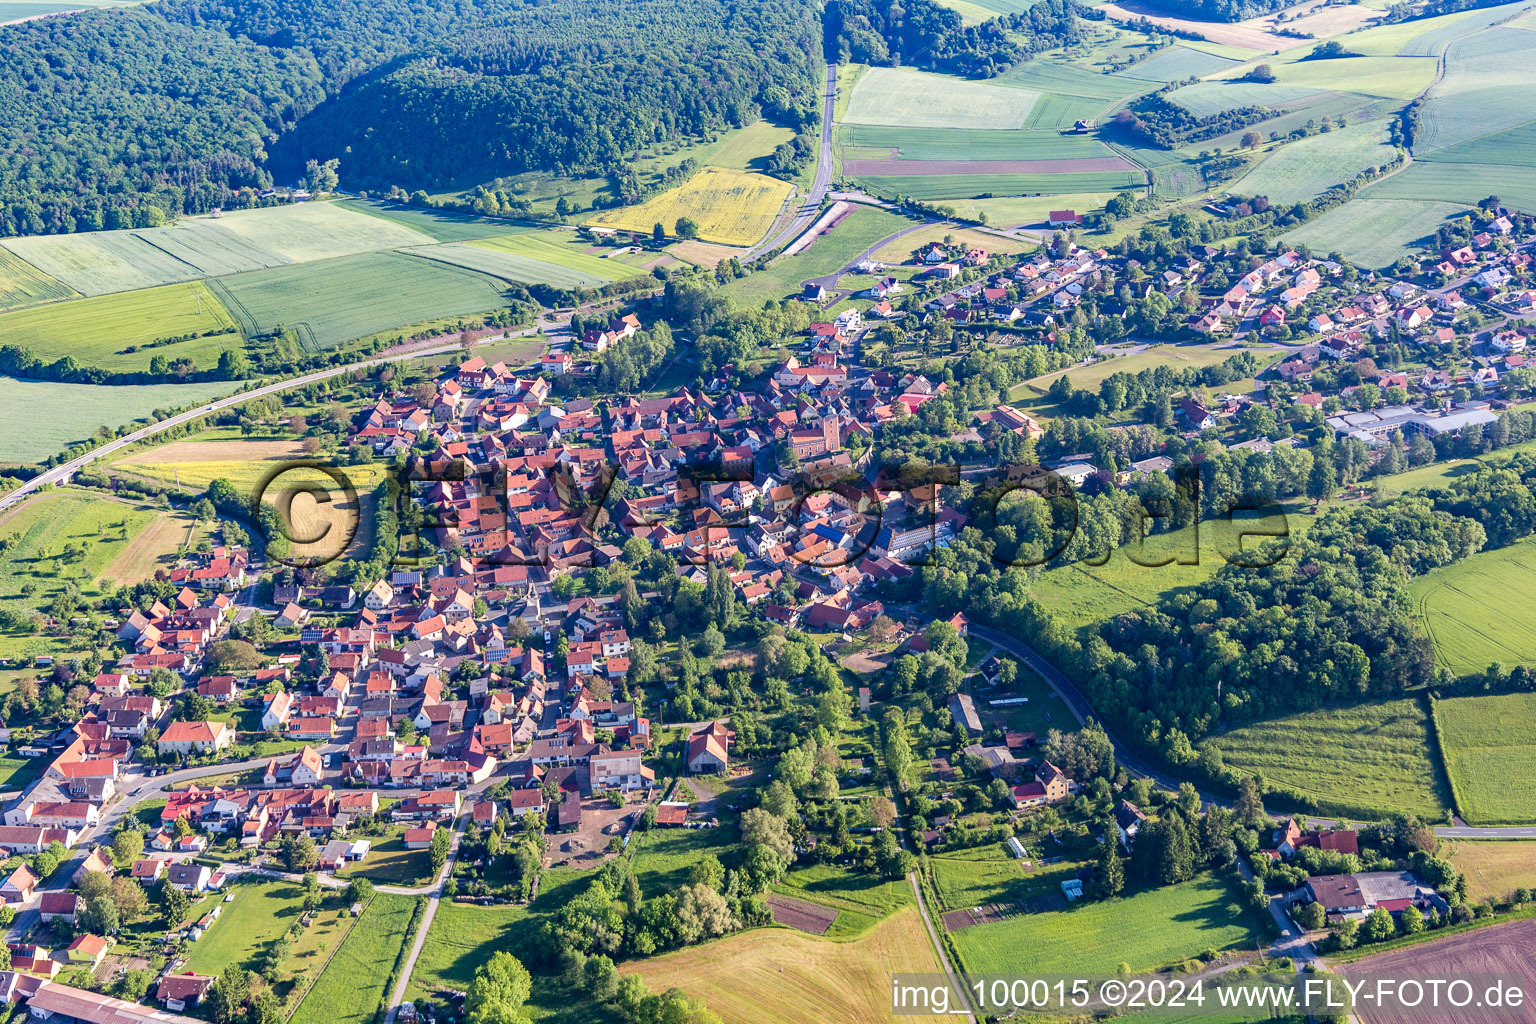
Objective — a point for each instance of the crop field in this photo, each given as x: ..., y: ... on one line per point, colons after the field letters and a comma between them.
x: 1489, y: 85
x: 806, y: 980
x: 1504, y: 950
x: 1366, y: 760
x: 1438, y: 33
x: 1373, y: 232
x: 439, y: 225
x: 76, y: 411
x: 1493, y: 164
x: 1054, y: 77
x: 1494, y: 868
x: 917, y: 99
x: 972, y: 144
x: 353, y: 984
x: 964, y: 186
x: 1175, y: 64
x: 1464, y: 609
x: 1489, y: 742
x: 337, y: 301
x: 1388, y: 77
x: 1146, y: 930
x: 484, y: 258
x: 99, y: 331
x: 561, y: 249
x: 1305, y: 169
x: 729, y: 207
x: 1203, y: 99
x: 99, y: 262
x: 22, y: 284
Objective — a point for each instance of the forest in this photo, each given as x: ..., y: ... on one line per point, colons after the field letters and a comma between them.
x: 128, y: 117
x: 923, y: 34
x: 1219, y: 10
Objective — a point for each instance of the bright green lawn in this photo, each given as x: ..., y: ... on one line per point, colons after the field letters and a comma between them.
x: 1147, y: 930
x: 1465, y: 609
x: 1369, y: 760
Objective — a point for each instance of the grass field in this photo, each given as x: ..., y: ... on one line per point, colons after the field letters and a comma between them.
x: 1146, y: 930
x: 1493, y: 869
x: 98, y: 262
x: 22, y: 284
x: 97, y: 331
x: 561, y: 249
x: 499, y: 262
x: 729, y: 207
x: 336, y: 301
x: 1366, y: 760
x: 1489, y: 742
x: 1025, y: 210
x: 390, y: 863
x: 1303, y: 170
x: 17, y: 772
x: 353, y: 984
x: 974, y: 881
x: 1398, y: 78
x: 665, y: 856
x: 440, y: 225
x: 1464, y: 609
x: 76, y: 411
x: 1204, y: 99
x: 37, y: 563
x: 805, y: 980
x: 860, y: 900
x: 832, y: 251
x: 900, y: 251
x: 1373, y: 232
x: 917, y: 99
x: 257, y: 917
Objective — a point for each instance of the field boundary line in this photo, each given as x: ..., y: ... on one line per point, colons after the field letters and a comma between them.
x: 314, y: 976
x: 1437, y: 744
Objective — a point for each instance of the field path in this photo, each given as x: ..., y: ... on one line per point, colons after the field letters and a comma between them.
x: 938, y: 947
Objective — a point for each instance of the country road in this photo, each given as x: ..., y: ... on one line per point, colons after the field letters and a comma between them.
x: 812, y: 202
x: 1082, y: 710
x: 61, y: 473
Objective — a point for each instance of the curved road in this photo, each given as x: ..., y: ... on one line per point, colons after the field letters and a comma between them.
x: 812, y: 204
x: 61, y: 473
x: 1082, y: 710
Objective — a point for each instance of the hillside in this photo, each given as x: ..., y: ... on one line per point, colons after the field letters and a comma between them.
x: 131, y: 115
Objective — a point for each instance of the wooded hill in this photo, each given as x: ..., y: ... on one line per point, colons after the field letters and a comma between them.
x: 117, y: 118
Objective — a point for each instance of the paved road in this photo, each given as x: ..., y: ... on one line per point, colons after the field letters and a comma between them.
x: 1081, y: 710
x: 829, y: 281
x: 812, y: 203
x: 61, y: 474
x: 398, y: 995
